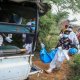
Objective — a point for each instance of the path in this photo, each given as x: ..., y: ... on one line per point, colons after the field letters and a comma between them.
x: 61, y: 74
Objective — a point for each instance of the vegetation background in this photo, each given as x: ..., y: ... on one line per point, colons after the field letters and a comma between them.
x: 49, y: 28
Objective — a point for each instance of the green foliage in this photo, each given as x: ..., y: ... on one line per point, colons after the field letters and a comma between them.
x: 17, y: 41
x: 46, y: 23
x: 77, y: 59
x: 60, y: 16
x: 55, y: 30
x: 75, y: 68
x: 73, y: 20
x: 73, y: 5
x: 24, y: 21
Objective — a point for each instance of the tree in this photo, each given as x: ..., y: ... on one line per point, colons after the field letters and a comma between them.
x: 73, y: 5
x: 73, y: 20
x: 60, y: 16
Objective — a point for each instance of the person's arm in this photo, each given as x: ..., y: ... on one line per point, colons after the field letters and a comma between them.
x: 60, y: 32
x: 42, y: 45
x: 56, y: 46
x: 39, y: 41
x: 59, y: 43
x: 73, y: 45
x: 4, y: 35
x: 6, y: 38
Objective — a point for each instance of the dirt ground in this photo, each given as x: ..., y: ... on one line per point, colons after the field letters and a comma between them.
x: 60, y: 74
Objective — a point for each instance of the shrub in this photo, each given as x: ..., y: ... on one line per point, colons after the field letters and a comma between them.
x: 75, y: 68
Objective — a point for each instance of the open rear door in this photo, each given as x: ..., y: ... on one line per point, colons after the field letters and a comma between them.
x: 35, y: 70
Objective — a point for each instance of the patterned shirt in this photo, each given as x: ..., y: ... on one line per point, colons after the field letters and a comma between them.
x: 65, y: 44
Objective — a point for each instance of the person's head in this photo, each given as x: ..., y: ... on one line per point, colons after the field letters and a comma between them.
x: 71, y: 26
x: 17, y: 19
x: 33, y: 24
x: 65, y: 34
x: 66, y: 26
x: 33, y: 27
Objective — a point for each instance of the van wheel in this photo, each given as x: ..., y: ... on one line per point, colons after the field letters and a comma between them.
x: 28, y: 78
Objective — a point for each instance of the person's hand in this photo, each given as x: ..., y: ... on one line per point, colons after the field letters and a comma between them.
x: 60, y: 48
x: 23, y: 40
x: 53, y: 49
x: 42, y: 45
x: 8, y: 39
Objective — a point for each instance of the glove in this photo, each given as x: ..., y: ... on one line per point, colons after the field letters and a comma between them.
x: 60, y: 35
x: 8, y: 39
x: 60, y: 48
x: 42, y: 45
x: 53, y: 49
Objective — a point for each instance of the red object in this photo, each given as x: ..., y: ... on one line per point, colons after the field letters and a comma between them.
x: 78, y: 36
x: 63, y: 30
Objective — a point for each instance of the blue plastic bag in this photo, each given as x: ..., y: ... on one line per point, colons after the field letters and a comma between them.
x: 52, y: 53
x: 73, y: 51
x: 45, y: 57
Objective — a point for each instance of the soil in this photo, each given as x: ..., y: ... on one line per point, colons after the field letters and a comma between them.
x: 61, y: 74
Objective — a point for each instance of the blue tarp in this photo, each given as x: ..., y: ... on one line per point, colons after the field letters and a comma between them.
x: 47, y: 57
x: 14, y: 28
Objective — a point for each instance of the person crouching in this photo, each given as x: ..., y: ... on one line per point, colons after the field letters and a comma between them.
x: 64, y: 45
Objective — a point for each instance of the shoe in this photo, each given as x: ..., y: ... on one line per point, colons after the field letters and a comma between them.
x: 48, y: 72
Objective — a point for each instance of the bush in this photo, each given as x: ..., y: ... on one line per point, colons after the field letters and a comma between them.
x: 56, y: 30
x: 75, y: 68
x: 49, y: 42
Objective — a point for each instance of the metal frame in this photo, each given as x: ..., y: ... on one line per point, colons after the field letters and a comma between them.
x: 34, y: 34
x: 13, y: 24
x: 36, y: 31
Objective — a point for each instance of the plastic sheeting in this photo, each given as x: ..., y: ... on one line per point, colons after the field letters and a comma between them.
x: 8, y: 47
x: 14, y: 28
x: 73, y: 51
x: 47, y: 57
